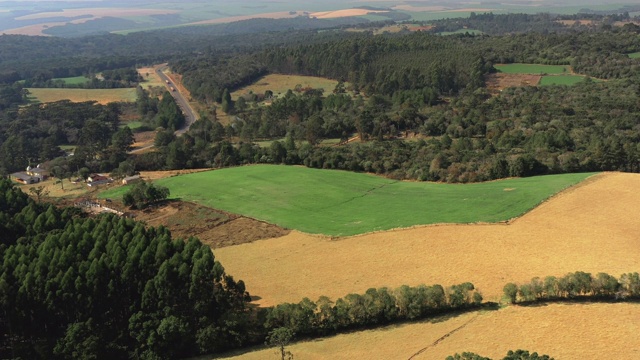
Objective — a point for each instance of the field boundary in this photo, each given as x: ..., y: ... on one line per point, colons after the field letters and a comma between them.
x: 508, y: 222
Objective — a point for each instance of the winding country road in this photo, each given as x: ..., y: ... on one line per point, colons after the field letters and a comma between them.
x: 189, y: 114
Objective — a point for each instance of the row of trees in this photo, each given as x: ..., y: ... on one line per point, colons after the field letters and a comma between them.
x: 374, y: 308
x: 575, y: 285
x: 511, y: 355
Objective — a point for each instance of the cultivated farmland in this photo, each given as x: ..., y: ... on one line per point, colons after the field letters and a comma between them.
x: 343, y: 203
x: 564, y: 331
x: 592, y: 227
x: 102, y: 96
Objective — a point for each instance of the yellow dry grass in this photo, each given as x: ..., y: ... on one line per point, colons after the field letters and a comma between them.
x: 155, y: 175
x: 102, y: 96
x: 564, y: 331
x: 151, y: 78
x: 37, y: 29
x: 593, y: 227
x: 55, y: 190
x: 419, y: 8
x: 272, y: 15
x: 344, y: 13
x: 279, y: 84
x: 97, y: 12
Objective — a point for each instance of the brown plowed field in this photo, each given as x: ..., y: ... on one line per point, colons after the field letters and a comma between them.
x: 564, y: 331
x: 593, y: 227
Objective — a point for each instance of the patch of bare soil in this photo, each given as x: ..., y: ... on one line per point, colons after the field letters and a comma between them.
x: 497, y: 82
x: 215, y: 228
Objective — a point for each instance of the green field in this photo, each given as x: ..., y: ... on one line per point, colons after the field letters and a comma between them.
x: 532, y: 69
x: 635, y: 55
x: 76, y: 80
x: 341, y: 203
x: 561, y: 80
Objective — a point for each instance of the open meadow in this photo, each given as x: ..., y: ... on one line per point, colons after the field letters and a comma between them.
x: 279, y: 84
x: 592, y: 227
x: 533, y: 69
x: 561, y: 80
x: 563, y: 331
x: 341, y: 203
x: 102, y: 96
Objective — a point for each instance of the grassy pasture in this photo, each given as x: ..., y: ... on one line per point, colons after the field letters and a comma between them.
x: 635, y: 55
x: 102, y: 96
x: 564, y: 331
x: 76, y: 80
x: 532, y: 69
x: 279, y: 84
x: 341, y: 203
x: 561, y: 80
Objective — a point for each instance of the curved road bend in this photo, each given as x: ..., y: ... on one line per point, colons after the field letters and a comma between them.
x: 189, y: 114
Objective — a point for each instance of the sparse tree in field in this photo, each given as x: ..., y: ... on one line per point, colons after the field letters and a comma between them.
x: 511, y: 291
x: 280, y: 338
x: 39, y: 192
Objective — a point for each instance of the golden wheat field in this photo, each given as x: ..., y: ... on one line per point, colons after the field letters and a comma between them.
x: 593, y: 227
x: 102, y: 96
x: 563, y: 331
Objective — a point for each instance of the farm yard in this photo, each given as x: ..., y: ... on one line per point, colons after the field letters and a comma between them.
x: 340, y: 203
x: 102, y: 96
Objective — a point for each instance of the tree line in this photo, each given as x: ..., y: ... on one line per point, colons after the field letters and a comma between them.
x: 578, y: 285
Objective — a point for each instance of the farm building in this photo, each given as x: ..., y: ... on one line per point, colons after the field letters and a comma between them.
x: 96, y: 177
x: 31, y: 175
x: 24, y: 178
x: 131, y: 179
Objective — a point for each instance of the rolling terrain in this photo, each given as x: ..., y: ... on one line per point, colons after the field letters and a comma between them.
x: 563, y: 331
x: 592, y: 227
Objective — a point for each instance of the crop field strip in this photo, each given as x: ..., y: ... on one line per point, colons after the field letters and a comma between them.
x: 564, y: 331
x: 102, y: 96
x: 340, y: 203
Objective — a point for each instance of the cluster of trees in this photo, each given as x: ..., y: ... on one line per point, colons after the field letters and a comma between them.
x: 575, y: 285
x: 522, y: 131
x: 34, y: 134
x: 511, y: 355
x: 161, y: 111
x: 107, y: 287
x: 142, y: 194
x: 499, y: 24
x: 108, y: 79
x: 374, y: 308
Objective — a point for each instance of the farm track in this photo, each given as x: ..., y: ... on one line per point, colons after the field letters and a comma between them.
x: 443, y: 337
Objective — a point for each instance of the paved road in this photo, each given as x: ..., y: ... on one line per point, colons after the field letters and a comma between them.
x: 189, y: 114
